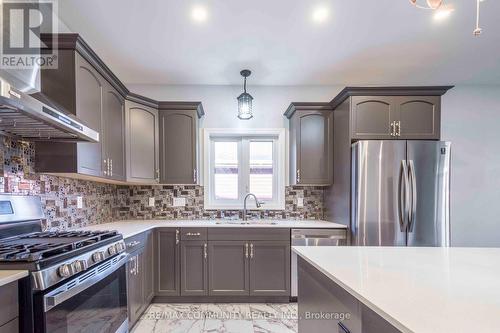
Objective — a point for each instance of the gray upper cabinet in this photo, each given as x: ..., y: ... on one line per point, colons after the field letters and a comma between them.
x: 167, y: 262
x: 372, y: 117
x: 142, y: 143
x: 393, y: 113
x: 114, y: 134
x: 83, y: 86
x: 179, y: 153
x: 311, y: 143
x: 420, y: 117
x: 270, y: 268
x: 194, y: 268
x: 228, y: 268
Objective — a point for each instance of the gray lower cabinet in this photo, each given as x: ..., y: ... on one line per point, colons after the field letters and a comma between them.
x: 9, y: 303
x: 139, y: 274
x: 135, y: 292
x: 311, y: 143
x: 194, y: 268
x: 269, y: 268
x: 178, y: 127
x: 319, y: 296
x: 142, y: 143
x: 228, y: 268
x: 167, y: 262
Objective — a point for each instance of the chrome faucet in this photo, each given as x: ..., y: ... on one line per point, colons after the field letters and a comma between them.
x: 257, y: 203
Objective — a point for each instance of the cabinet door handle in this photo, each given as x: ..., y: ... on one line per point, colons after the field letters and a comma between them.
x: 298, y: 175
x: 246, y: 250
x: 158, y: 174
x: 111, y: 166
x: 194, y: 175
x: 205, y: 253
x: 398, y: 128
x: 136, y: 264
x: 177, y: 236
x: 197, y: 234
x: 393, y: 128
x: 251, y: 251
x: 105, y: 162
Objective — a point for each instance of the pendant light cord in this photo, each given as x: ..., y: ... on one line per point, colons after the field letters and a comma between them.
x: 245, y: 85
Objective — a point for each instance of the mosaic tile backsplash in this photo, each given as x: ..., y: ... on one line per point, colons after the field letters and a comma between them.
x: 105, y: 202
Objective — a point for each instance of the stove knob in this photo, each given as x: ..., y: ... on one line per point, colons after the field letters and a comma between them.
x: 64, y: 271
x: 79, y: 265
x: 120, y: 246
x: 112, y: 250
x: 98, y: 256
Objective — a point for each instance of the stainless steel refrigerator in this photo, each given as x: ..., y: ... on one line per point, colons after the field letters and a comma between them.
x: 400, y: 193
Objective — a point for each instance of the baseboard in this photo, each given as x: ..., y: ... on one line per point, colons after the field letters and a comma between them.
x: 221, y: 299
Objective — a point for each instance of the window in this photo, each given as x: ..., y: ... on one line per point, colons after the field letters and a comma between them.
x: 241, y: 162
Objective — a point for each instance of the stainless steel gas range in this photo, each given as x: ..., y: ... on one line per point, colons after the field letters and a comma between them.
x: 77, y: 280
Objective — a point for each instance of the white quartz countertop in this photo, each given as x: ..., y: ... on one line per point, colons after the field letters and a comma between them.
x: 418, y: 289
x: 7, y: 276
x: 130, y: 228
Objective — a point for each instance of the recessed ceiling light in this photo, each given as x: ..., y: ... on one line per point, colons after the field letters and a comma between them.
x: 199, y: 13
x: 320, y: 14
x: 443, y: 13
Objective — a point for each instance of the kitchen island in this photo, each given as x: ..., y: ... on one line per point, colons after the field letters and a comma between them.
x: 398, y: 289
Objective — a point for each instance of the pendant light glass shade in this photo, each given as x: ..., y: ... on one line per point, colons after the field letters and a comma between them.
x: 245, y: 99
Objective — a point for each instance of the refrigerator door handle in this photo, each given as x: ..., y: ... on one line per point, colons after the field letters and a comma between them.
x: 403, y: 197
x: 411, y: 221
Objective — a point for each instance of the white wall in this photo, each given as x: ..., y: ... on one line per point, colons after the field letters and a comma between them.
x: 470, y: 120
x: 221, y: 107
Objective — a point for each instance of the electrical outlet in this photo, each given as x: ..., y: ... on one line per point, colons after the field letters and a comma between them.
x: 79, y: 202
x: 300, y: 202
x: 179, y: 202
x: 151, y: 202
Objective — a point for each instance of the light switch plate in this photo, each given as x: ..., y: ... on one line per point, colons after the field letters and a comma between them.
x: 79, y: 202
x: 179, y: 202
x: 300, y: 202
x: 151, y: 201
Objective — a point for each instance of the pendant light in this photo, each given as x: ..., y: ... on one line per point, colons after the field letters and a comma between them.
x: 439, y: 4
x: 245, y: 99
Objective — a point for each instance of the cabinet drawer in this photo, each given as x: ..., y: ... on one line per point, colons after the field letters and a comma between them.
x: 136, y: 242
x: 193, y: 234
x: 248, y: 234
x: 8, y: 303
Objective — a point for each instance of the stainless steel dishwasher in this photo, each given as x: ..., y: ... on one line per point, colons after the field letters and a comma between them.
x: 314, y: 237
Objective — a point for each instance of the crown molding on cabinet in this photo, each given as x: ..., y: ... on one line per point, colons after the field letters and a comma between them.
x: 388, y: 91
x: 306, y: 106
x: 182, y: 106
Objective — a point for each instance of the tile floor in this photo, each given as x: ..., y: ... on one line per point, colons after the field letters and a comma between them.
x: 212, y: 318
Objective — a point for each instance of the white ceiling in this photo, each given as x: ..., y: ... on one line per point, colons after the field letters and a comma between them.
x: 363, y: 42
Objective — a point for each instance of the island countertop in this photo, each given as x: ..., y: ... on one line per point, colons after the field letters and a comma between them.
x: 418, y: 289
x: 130, y: 228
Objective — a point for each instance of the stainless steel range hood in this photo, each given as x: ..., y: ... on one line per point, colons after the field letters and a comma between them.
x: 23, y: 116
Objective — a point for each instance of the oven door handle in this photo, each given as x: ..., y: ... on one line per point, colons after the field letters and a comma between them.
x: 85, y: 280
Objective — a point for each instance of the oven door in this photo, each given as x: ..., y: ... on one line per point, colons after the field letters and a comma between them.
x: 94, y: 301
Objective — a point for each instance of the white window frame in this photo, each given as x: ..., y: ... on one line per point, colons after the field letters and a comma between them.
x: 279, y: 165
